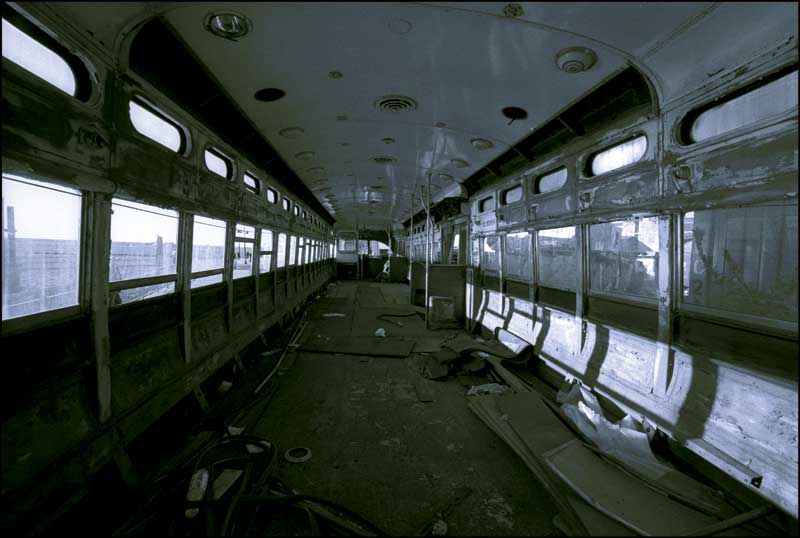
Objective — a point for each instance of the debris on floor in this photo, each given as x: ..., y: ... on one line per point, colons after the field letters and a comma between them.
x: 488, y: 388
x: 333, y: 315
x: 380, y: 332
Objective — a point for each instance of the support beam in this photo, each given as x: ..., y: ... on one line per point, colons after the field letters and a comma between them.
x: 227, y: 275
x: 101, y: 246
x: 184, y: 284
x: 666, y: 229
x: 582, y: 288
x: 428, y: 226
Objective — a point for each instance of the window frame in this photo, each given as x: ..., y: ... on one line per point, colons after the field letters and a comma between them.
x: 270, y: 252
x: 185, y: 135
x: 286, y: 203
x: 209, y: 272
x: 86, y: 79
x: 504, y: 194
x: 229, y: 164
x: 537, y: 251
x: 481, y: 201
x: 588, y: 160
x: 131, y: 283
x: 536, y: 181
x: 21, y: 324
x: 253, y: 190
x: 770, y: 326
x: 243, y: 239
x: 681, y: 129
x: 274, y: 193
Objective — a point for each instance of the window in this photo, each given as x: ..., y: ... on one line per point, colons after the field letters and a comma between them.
x: 281, y: 257
x: 347, y: 245
x: 557, y: 258
x: 272, y: 195
x: 218, y: 163
x: 265, y: 253
x: 41, y: 246
x: 490, y: 255
x: 618, y: 156
x: 243, y: 251
x: 300, y: 250
x: 623, y: 257
x: 742, y: 260
x: 487, y: 204
x: 292, y: 249
x: 156, y: 127
x: 297, y: 210
x: 305, y: 215
x: 518, y: 256
x: 287, y: 204
x: 144, y: 246
x: 38, y: 59
x: 476, y: 252
x: 514, y: 194
x: 208, y: 251
x: 252, y: 183
x: 550, y: 181
x: 737, y: 111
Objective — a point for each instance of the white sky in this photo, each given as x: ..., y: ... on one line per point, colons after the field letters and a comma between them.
x: 42, y: 213
x: 142, y: 225
x: 25, y: 51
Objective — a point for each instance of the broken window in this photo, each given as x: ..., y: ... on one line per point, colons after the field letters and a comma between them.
x: 148, y: 122
x: 281, y: 254
x: 243, y: 251
x: 208, y: 251
x: 144, y: 245
x: 490, y: 254
x: 557, y: 258
x: 38, y: 59
x: 41, y: 246
x: 518, y: 256
x: 618, y: 156
x: 623, y: 257
x: 265, y: 254
x: 742, y: 260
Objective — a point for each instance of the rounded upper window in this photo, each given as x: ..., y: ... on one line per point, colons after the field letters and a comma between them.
x: 617, y: 156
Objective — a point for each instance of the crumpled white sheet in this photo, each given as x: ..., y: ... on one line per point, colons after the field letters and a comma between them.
x: 626, y: 440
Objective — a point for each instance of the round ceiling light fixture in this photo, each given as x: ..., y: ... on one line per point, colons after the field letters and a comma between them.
x: 305, y: 155
x: 441, y: 124
x: 575, y: 59
x: 399, y: 26
x: 459, y: 163
x: 388, y: 140
x: 481, y: 144
x: 342, y: 117
x: 335, y: 75
x: 267, y: 95
x: 316, y: 170
x: 291, y: 132
x: 513, y: 10
x: 395, y: 103
x: 228, y: 24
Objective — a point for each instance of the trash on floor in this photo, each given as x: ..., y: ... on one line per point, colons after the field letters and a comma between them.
x: 488, y: 388
x: 380, y: 332
x: 298, y: 454
x: 333, y: 315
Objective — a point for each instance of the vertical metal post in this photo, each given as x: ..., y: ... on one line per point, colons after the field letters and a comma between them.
x: 582, y: 240
x: 668, y: 226
x: 256, y: 265
x: 411, y: 254
x: 101, y: 245
x: 227, y: 275
x: 428, y: 226
x: 185, y: 234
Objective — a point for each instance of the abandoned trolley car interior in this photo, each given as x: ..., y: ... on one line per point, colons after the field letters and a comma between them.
x: 403, y: 269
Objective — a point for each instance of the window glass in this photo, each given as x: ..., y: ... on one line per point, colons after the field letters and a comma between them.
x: 206, y: 281
x: 144, y: 241
x: 742, y: 260
x: 287, y: 204
x: 140, y: 293
x: 300, y: 245
x: 217, y: 163
x: 623, y: 257
x: 305, y: 215
x: 292, y: 249
x: 490, y: 257
x: 154, y: 127
x: 272, y: 195
x: 281, y: 254
x: 297, y: 210
x: 618, y: 156
x: 476, y: 252
x: 251, y: 183
x: 551, y: 181
x: 487, y: 204
x: 769, y: 100
x: 518, y: 256
x: 265, y: 263
x: 244, y: 231
x: 31, y: 55
x: 514, y: 194
x: 208, y: 244
x: 242, y: 259
x: 347, y: 245
x: 41, y: 246
x: 557, y: 258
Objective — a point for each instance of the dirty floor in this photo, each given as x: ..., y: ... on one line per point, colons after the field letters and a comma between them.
x: 387, y: 443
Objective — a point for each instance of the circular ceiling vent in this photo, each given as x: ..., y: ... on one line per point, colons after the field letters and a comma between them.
x: 575, y: 59
x: 228, y: 24
x: 383, y: 159
x: 395, y: 103
x: 481, y: 143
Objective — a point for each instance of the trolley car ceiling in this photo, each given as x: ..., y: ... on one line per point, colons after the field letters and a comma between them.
x: 460, y: 63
